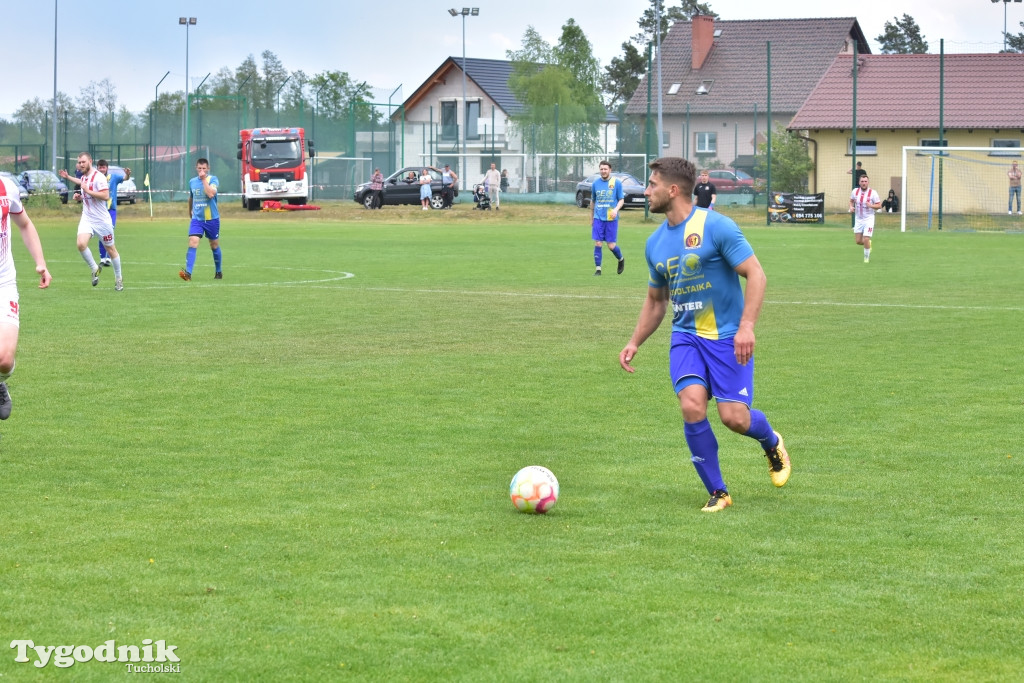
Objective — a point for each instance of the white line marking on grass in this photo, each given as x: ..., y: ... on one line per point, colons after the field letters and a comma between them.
x: 174, y: 281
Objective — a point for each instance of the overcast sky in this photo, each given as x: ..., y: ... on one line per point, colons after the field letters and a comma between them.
x: 387, y: 43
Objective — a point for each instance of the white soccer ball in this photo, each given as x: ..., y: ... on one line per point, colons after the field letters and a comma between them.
x: 534, y: 489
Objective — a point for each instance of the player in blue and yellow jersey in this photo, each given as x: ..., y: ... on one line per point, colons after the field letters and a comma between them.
x: 114, y: 178
x: 695, y: 260
x: 607, y: 198
x: 202, y: 205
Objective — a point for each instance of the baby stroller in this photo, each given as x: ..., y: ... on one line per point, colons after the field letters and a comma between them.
x: 480, y: 196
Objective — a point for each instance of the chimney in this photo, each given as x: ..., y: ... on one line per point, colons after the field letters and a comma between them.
x: 703, y: 28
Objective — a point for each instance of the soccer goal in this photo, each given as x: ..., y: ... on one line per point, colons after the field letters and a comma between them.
x: 957, y: 188
x: 336, y: 177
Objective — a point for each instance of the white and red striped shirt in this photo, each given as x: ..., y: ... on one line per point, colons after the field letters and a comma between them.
x: 861, y: 201
x: 94, y: 211
x: 10, y: 203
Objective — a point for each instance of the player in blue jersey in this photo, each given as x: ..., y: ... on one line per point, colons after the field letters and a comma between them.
x: 607, y: 198
x: 695, y: 260
x: 114, y: 178
x: 202, y: 205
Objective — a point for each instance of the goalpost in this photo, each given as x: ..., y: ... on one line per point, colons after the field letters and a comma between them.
x: 957, y: 188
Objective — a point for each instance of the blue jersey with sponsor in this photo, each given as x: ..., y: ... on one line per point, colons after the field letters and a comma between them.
x: 606, y: 194
x: 203, y: 208
x: 114, y: 178
x: 696, y: 260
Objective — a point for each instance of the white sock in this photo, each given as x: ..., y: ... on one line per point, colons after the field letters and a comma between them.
x: 87, y: 257
x: 117, y: 266
x: 867, y: 253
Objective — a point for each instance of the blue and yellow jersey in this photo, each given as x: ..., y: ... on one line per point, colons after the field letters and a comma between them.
x: 114, y: 178
x: 606, y: 195
x: 203, y: 208
x: 696, y: 260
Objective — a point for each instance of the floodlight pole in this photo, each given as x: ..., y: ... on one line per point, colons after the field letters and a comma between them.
x: 466, y: 11
x: 1005, y: 3
x: 186, y: 22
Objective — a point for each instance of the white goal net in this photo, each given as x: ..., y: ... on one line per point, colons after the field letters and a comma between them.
x: 958, y: 188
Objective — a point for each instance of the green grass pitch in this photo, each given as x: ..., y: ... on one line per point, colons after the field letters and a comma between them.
x: 301, y: 472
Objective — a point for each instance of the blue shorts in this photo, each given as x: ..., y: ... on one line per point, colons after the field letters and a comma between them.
x: 712, y: 363
x: 210, y: 228
x: 605, y: 231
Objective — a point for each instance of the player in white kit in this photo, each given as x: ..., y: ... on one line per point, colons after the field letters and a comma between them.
x: 11, y: 210
x: 93, y: 193
x: 863, y: 203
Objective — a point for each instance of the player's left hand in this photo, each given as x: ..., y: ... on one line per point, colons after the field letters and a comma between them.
x: 743, y: 345
x: 44, y: 277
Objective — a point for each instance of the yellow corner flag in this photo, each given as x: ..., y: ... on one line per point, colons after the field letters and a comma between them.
x: 146, y: 181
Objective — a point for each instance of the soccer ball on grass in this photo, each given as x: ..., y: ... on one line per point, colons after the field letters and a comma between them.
x: 534, y: 489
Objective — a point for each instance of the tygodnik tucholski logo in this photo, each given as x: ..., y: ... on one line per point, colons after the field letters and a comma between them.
x: 151, y: 657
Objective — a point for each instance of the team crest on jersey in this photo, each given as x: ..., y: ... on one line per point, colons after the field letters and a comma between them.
x: 691, y: 265
x: 693, y: 241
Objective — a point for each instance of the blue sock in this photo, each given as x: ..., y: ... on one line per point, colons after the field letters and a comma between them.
x: 216, y: 259
x: 103, y: 250
x: 761, y: 430
x: 617, y: 252
x: 190, y: 260
x: 704, y: 454
x: 597, y: 256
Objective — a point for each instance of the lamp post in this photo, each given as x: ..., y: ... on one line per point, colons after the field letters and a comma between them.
x: 186, y: 22
x: 277, y: 96
x: 465, y: 12
x: 1005, y: 3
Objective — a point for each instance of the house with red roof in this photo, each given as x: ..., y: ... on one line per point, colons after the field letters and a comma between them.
x: 899, y: 101
x: 714, y: 79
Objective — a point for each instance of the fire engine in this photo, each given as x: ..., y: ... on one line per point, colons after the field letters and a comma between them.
x: 274, y: 165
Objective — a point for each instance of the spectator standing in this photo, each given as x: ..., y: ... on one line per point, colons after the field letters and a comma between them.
x: 504, y: 180
x: 1014, y: 175
x: 377, y: 188
x: 492, y: 185
x: 705, y: 192
x: 448, y: 180
x: 425, y: 189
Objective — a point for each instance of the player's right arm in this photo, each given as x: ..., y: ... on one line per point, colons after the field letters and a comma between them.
x: 651, y: 314
x: 35, y: 248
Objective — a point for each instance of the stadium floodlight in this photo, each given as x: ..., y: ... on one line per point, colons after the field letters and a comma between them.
x: 186, y: 22
x: 1005, y: 3
x: 466, y: 11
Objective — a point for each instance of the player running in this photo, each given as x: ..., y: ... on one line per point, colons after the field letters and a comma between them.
x: 94, y: 193
x: 863, y: 203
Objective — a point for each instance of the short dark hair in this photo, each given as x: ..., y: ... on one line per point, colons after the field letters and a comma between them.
x: 102, y: 162
x: 201, y: 160
x: 676, y: 170
x: 604, y: 162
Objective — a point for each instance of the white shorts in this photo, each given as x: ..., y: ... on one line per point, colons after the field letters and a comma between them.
x: 102, y: 231
x: 9, y: 299
x: 864, y: 226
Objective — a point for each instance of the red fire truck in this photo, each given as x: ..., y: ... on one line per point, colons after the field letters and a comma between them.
x: 274, y: 165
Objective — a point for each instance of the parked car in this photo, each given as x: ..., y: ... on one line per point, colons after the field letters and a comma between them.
x: 22, y: 192
x: 726, y: 181
x: 126, y: 190
x: 44, y: 182
x: 634, y: 190
x: 402, y: 188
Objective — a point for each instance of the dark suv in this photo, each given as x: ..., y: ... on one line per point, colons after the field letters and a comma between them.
x: 44, y: 182
x: 403, y: 187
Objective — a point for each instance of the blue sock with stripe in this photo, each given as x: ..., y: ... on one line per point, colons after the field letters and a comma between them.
x: 190, y: 260
x: 704, y: 454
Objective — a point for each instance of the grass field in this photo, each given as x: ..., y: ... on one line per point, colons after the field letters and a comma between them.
x: 301, y: 472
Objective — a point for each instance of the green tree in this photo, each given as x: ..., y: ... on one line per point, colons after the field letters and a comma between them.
x: 622, y: 77
x: 338, y: 92
x: 1015, y: 43
x: 684, y: 11
x: 791, y: 164
x: 902, y: 37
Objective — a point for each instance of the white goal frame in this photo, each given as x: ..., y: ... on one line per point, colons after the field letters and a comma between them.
x: 1009, y: 152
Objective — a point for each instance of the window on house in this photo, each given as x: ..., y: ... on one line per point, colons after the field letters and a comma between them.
x: 666, y: 137
x: 449, y: 121
x: 472, y: 119
x: 706, y: 143
x: 864, y: 147
x: 674, y: 88
x: 705, y: 87
x: 1012, y: 146
x: 931, y: 142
